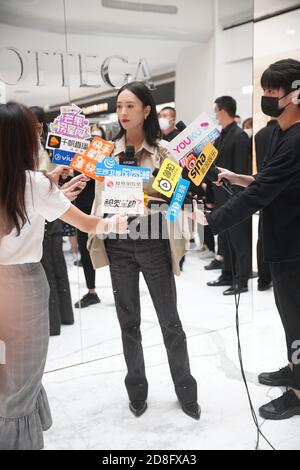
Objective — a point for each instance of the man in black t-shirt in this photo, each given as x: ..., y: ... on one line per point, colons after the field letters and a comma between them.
x: 275, y: 191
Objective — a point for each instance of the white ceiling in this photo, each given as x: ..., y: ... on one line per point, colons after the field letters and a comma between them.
x: 93, y: 29
x: 267, y: 7
x: 90, y: 17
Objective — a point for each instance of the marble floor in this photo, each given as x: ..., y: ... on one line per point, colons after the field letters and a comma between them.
x: 85, y: 372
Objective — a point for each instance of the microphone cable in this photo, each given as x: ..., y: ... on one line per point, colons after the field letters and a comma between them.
x: 237, y: 296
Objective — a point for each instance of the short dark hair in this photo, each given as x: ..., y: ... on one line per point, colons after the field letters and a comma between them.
x: 282, y: 74
x: 250, y: 120
x: 228, y: 104
x: 151, y: 124
x: 169, y: 108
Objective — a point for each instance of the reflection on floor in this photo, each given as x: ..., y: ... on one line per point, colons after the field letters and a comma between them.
x: 89, y: 402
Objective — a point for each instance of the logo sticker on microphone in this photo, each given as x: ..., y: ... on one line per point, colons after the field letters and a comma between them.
x: 203, y: 164
x: 167, y: 178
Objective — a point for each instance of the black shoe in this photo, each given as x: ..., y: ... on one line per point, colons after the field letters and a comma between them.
x: 87, y: 300
x: 219, y: 282
x: 284, y: 407
x: 214, y: 264
x: 281, y: 378
x: 191, y: 409
x: 138, y: 407
x: 235, y: 290
x: 262, y: 287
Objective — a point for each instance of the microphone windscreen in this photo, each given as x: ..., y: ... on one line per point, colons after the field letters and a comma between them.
x: 212, y: 173
x: 129, y: 158
x: 180, y: 126
x: 129, y: 151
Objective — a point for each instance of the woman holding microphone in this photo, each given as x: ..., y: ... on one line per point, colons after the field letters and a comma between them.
x: 156, y: 257
x: 27, y: 198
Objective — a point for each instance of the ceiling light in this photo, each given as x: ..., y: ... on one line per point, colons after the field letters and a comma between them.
x: 140, y: 7
x: 290, y: 32
x: 247, y: 90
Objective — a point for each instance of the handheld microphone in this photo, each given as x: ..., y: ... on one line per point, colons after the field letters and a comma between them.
x: 180, y: 126
x: 129, y: 158
x: 212, y: 175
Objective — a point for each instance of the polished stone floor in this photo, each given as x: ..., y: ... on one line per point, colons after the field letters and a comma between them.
x: 86, y: 369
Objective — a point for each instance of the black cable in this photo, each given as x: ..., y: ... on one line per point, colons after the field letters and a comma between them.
x: 237, y: 295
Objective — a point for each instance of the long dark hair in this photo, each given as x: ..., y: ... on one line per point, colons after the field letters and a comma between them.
x: 18, y: 153
x: 151, y: 125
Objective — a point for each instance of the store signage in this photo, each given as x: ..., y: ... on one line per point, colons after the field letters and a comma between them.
x: 89, y: 68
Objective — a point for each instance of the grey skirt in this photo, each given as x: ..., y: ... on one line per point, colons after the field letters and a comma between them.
x: 24, y: 337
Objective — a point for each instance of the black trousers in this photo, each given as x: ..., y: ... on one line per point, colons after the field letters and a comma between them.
x: 89, y: 272
x: 264, y: 273
x: 54, y: 264
x: 240, y: 241
x: 151, y: 257
x: 286, y: 279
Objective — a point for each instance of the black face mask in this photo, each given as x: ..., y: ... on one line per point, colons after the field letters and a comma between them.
x: 270, y: 106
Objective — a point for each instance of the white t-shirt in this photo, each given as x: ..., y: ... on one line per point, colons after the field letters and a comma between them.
x: 41, y: 203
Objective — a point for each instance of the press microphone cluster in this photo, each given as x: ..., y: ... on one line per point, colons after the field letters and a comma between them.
x: 212, y: 174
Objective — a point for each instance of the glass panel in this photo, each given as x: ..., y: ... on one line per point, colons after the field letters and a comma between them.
x: 33, y: 72
x: 190, y: 66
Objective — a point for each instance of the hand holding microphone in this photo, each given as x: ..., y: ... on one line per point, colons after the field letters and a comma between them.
x: 226, y: 175
x: 221, y: 177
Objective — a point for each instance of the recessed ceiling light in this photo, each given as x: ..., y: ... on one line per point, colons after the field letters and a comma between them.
x: 290, y: 32
x: 140, y: 7
x: 247, y: 90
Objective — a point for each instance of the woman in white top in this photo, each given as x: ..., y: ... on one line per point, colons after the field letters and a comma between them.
x: 27, y: 198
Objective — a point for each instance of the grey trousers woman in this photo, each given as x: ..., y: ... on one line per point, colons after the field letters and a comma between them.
x: 24, y: 336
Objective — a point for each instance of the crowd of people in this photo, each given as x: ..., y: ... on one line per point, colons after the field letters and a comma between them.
x: 32, y: 262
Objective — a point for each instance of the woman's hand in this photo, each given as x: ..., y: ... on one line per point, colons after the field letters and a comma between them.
x: 61, y: 171
x: 197, y: 215
x: 72, y: 188
x: 116, y: 224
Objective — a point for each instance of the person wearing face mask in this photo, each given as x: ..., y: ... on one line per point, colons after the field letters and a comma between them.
x: 275, y: 190
x: 167, y: 120
x: 248, y: 127
x: 234, y: 154
x: 97, y: 130
x: 85, y: 202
